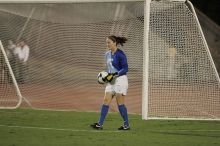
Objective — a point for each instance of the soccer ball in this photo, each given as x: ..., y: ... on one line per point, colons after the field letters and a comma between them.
x: 101, y: 77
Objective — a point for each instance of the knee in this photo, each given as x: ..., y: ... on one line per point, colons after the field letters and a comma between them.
x: 106, y: 101
x: 120, y: 99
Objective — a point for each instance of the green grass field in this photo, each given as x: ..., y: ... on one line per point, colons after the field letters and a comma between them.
x: 27, y: 127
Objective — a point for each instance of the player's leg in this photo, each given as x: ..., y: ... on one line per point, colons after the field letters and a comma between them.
x: 104, y: 110
x: 120, y: 88
x: 120, y: 98
x: 105, y: 107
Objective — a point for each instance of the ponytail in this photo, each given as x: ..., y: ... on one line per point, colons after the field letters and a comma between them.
x: 118, y: 40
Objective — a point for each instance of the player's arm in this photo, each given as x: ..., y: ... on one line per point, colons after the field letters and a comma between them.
x: 122, y: 71
x: 124, y: 65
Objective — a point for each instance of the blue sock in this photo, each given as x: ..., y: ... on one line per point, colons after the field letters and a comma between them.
x: 124, y: 114
x: 103, y: 114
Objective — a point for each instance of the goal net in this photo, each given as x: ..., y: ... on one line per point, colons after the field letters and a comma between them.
x: 183, y: 81
x: 10, y: 96
x: 67, y: 47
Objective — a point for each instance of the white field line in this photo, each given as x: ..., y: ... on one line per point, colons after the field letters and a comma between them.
x: 59, y: 129
x: 105, y: 131
x: 185, y: 130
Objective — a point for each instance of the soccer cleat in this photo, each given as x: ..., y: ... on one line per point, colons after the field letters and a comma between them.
x: 96, y: 126
x: 92, y: 125
x: 124, y: 127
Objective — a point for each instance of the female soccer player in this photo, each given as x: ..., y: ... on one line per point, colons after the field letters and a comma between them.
x: 117, y: 85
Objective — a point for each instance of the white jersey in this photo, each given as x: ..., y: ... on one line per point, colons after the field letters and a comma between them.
x: 22, y: 53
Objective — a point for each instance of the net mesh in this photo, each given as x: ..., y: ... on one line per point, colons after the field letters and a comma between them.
x: 67, y: 47
x: 182, y: 79
x: 8, y: 94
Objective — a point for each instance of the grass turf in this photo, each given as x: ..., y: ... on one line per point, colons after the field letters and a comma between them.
x: 27, y: 127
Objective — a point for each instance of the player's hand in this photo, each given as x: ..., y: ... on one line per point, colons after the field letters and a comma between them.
x: 110, y: 76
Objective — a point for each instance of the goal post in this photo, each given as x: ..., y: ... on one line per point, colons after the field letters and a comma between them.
x: 10, y: 95
x: 145, y: 60
x: 171, y: 71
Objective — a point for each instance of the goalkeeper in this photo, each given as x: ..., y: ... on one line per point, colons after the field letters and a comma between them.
x: 117, y: 81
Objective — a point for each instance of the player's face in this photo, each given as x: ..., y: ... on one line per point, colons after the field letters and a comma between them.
x: 110, y: 44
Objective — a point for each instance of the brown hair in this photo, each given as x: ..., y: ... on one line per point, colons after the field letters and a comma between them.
x: 118, y: 40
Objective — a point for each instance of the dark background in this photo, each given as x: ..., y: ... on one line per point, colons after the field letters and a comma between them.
x: 211, y: 8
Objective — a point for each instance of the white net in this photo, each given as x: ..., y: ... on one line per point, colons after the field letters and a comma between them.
x: 9, y: 97
x: 67, y: 46
x: 182, y: 81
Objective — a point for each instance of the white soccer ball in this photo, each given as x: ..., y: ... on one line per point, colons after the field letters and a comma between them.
x: 101, y: 77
